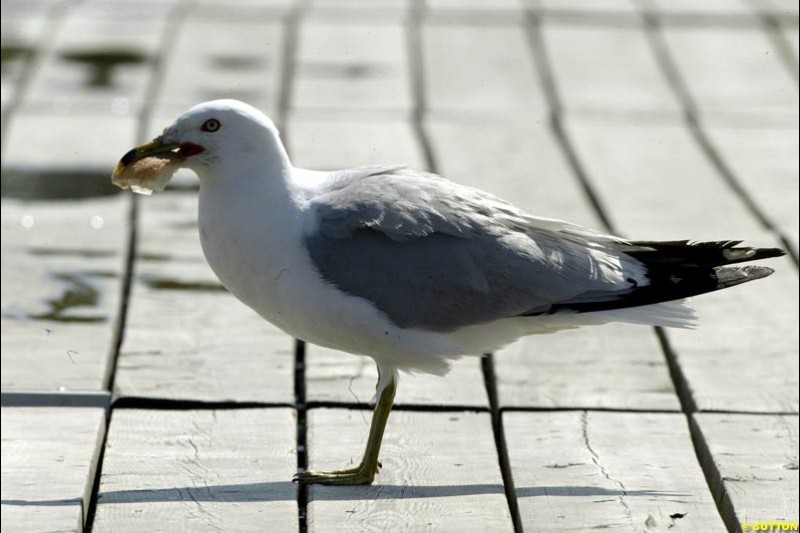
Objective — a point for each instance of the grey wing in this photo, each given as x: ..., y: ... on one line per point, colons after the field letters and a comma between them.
x: 435, y: 255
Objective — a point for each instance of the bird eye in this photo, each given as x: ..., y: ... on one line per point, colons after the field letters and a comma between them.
x: 211, y: 125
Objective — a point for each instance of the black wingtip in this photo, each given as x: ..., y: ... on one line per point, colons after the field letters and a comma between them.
x: 765, y: 253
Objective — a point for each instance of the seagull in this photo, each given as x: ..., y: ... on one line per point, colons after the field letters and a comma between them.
x: 404, y: 266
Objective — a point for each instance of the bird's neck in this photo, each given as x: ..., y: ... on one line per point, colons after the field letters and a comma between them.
x: 250, y: 219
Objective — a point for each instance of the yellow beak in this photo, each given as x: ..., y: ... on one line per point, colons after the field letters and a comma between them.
x: 154, y: 147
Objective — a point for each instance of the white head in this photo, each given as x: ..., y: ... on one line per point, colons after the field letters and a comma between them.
x: 212, y: 139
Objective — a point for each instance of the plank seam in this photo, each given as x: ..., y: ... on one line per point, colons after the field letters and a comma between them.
x: 490, y: 382
x: 713, y: 477
x: 666, y: 62
x: 291, y: 25
x: 417, y: 73
x: 167, y: 38
x: 544, y: 70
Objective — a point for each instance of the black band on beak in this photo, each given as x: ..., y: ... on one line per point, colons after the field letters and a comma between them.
x: 129, y: 158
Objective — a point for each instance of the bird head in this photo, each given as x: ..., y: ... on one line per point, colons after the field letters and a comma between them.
x: 205, y: 139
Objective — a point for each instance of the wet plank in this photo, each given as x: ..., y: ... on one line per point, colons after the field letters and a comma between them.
x: 99, y: 65
x: 337, y: 377
x: 335, y: 70
x: 452, y: 55
x: 49, y: 456
x: 199, y: 471
x: 615, y: 366
x: 63, y: 264
x: 716, y: 86
x: 580, y: 471
x: 22, y: 36
x: 440, y: 472
x: 607, y: 69
x: 656, y: 184
x: 242, y: 61
x: 754, y: 463
x: 187, y: 338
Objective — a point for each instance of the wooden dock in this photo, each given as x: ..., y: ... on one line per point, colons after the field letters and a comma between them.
x: 138, y: 395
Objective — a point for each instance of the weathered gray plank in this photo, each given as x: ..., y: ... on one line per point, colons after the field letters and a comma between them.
x: 717, y: 86
x: 248, y: 8
x: 440, y: 472
x: 333, y: 141
x: 333, y: 376
x: 607, y: 68
x: 793, y: 38
x: 62, y: 266
x: 611, y: 366
x: 354, y: 10
x: 209, y: 470
x: 479, y: 68
x: 708, y: 10
x: 581, y: 471
x: 242, y: 61
x: 657, y: 184
x: 754, y: 463
x: 64, y: 143
x: 586, y: 9
x: 186, y: 338
x: 765, y: 161
x: 49, y: 456
x: 335, y: 70
x: 616, y: 366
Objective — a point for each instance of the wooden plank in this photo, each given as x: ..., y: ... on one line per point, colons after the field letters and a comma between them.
x: 708, y: 10
x: 64, y: 144
x: 657, y: 184
x: 62, y: 267
x: 588, y: 9
x: 333, y: 376
x: 480, y: 68
x: 186, y: 338
x: 198, y: 471
x: 765, y: 162
x: 793, y: 38
x: 249, y: 8
x: 242, y: 61
x: 581, y: 471
x: 440, y: 472
x: 718, y: 85
x: 753, y: 460
x: 618, y: 366
x: 49, y: 457
x: 329, y: 142
x: 335, y: 70
x: 604, y: 68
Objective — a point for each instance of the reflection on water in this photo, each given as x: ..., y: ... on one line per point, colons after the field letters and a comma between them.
x: 101, y: 63
x: 79, y: 293
x: 11, y: 54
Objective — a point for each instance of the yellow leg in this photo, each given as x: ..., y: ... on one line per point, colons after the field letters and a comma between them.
x: 365, y: 472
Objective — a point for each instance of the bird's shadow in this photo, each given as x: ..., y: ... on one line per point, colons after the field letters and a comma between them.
x: 287, y: 491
